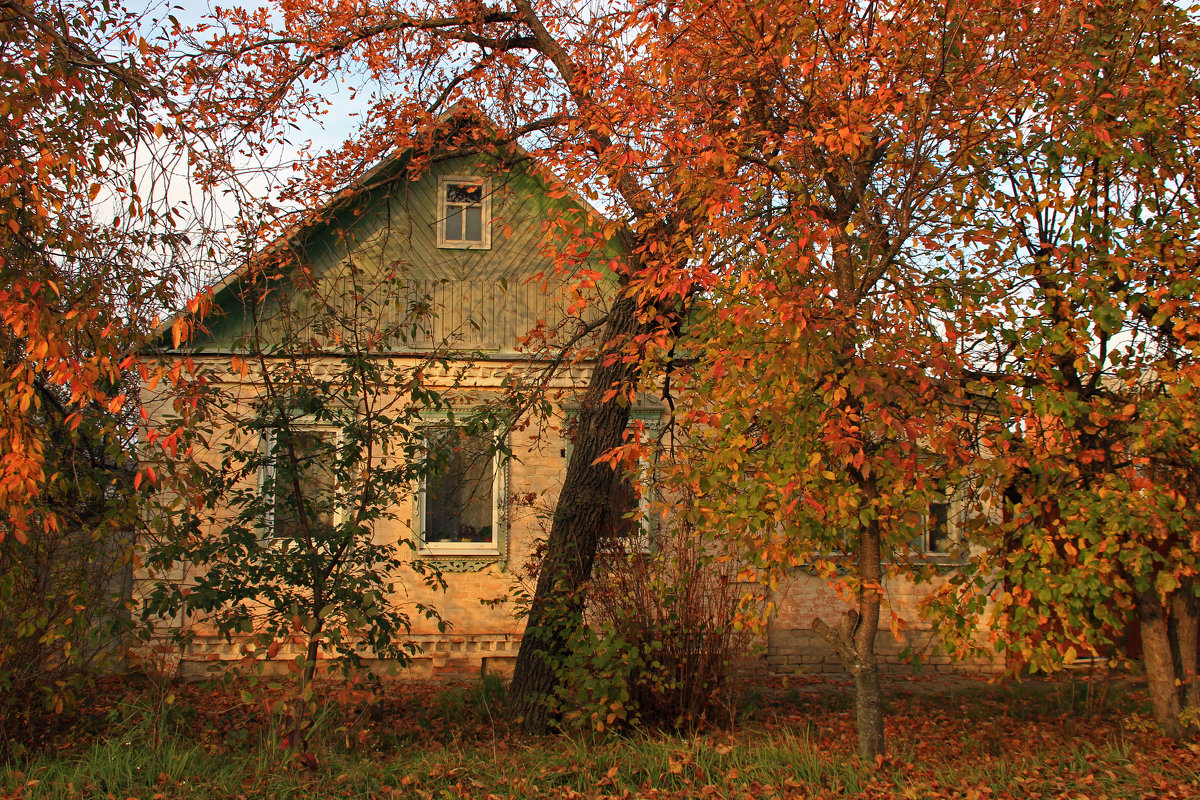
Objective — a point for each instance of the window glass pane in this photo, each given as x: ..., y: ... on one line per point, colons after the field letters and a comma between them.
x: 458, y: 493
x: 311, y: 470
x: 938, y: 528
x: 474, y: 232
x: 619, y: 530
x: 464, y: 193
x: 454, y: 224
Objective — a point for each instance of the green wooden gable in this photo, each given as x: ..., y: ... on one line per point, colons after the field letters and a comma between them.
x: 381, y: 266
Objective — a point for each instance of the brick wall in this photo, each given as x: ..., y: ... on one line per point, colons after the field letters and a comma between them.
x: 793, y: 646
x: 485, y: 637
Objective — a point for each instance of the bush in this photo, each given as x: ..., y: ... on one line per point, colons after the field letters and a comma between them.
x: 662, y: 640
x: 62, y: 614
x: 65, y: 578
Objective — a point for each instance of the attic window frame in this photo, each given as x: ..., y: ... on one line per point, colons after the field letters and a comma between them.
x: 444, y: 207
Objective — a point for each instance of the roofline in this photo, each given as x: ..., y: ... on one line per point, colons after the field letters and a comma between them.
x: 344, y: 195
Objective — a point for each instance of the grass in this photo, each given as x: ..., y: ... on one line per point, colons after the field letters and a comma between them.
x: 451, y: 742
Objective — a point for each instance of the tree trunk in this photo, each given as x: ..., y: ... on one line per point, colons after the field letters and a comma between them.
x: 1159, y: 662
x: 868, y: 700
x: 556, y: 610
x: 1184, y: 630
x: 310, y: 656
x: 854, y: 642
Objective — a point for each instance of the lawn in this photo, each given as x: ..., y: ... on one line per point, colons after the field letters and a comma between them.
x: 139, y: 739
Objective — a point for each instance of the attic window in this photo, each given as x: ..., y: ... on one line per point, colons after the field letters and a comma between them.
x: 464, y: 213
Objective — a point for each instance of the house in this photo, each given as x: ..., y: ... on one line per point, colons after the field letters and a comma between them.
x: 444, y: 281
x: 420, y: 318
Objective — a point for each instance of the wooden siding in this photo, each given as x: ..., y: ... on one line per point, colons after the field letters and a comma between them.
x: 378, y: 261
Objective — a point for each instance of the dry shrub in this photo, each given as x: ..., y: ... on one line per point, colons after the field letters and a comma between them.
x: 662, y: 641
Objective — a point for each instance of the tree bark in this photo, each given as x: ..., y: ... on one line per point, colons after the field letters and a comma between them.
x: 310, y: 663
x: 1159, y: 662
x: 868, y: 699
x: 854, y: 642
x: 1184, y: 630
x: 556, y: 610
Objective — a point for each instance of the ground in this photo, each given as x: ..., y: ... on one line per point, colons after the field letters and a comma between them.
x: 1070, y: 738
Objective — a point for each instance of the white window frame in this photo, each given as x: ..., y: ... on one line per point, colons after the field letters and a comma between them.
x: 648, y: 521
x: 266, y: 475
x: 955, y: 516
x: 443, y: 209
x: 493, y: 548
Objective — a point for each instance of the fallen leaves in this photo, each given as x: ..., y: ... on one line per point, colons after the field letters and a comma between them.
x: 949, y: 740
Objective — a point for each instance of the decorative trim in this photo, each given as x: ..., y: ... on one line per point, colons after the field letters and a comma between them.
x: 463, y: 564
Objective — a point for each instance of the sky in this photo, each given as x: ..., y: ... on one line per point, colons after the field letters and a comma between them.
x: 218, y: 209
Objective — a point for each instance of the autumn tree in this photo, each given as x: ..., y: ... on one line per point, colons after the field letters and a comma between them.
x: 835, y: 143
x: 1087, y: 346
x: 87, y: 251
x: 276, y: 469
x: 548, y: 79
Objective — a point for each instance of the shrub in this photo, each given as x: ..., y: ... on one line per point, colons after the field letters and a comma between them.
x: 64, y: 590
x: 662, y: 640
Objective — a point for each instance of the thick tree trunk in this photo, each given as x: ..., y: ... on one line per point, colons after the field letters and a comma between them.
x: 556, y: 611
x: 1184, y: 630
x: 1159, y: 662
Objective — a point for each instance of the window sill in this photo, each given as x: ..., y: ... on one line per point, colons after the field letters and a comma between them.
x: 460, y: 551
x: 939, y: 560
x: 460, y: 561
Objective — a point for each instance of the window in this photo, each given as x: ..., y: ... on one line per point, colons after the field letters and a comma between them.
x: 464, y: 213
x: 631, y: 523
x: 937, y: 536
x: 942, y: 532
x: 313, y: 508
x: 457, y: 509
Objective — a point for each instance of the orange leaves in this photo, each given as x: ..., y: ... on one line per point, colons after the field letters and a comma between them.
x: 180, y: 330
x: 145, y: 475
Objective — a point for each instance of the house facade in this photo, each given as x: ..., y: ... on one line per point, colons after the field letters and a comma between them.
x: 447, y: 283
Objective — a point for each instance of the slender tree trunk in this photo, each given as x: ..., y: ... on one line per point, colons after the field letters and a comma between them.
x: 1159, y: 662
x: 556, y: 611
x: 854, y: 642
x: 868, y: 699
x: 310, y: 659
